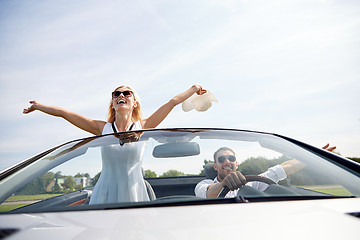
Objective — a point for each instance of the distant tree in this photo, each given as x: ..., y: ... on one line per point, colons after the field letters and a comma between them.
x: 34, y: 187
x: 356, y: 159
x: 69, y: 183
x: 46, y: 179
x: 43, y: 183
x: 58, y: 175
x: 82, y: 175
x: 57, y: 188
x: 207, y: 161
x: 95, y: 179
x: 202, y: 170
x: 257, y: 165
x: 38, y: 185
x: 254, y: 166
x: 150, y: 174
x: 172, y: 173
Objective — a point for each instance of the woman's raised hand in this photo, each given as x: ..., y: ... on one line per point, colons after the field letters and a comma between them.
x: 199, y: 89
x: 31, y: 108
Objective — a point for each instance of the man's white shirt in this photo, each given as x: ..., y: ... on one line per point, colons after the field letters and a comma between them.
x: 275, y: 173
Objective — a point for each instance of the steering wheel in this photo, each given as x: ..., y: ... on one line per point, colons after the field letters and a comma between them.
x: 249, y: 178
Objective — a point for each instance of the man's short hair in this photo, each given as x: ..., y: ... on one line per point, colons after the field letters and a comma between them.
x: 222, y: 149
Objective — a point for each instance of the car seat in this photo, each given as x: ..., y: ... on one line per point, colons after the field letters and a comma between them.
x: 149, y: 189
x: 209, y: 171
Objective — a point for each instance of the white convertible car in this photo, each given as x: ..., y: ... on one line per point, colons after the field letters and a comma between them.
x: 140, y: 185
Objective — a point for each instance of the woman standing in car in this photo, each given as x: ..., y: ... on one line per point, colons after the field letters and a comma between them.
x: 121, y: 178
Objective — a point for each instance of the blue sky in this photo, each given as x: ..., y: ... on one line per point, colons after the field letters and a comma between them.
x: 289, y: 67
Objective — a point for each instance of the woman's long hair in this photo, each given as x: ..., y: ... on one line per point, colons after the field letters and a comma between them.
x: 136, y: 114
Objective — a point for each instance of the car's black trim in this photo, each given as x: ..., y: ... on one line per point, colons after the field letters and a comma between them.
x: 355, y: 214
x: 7, y: 232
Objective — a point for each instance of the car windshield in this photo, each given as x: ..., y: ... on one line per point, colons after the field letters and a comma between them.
x: 142, y: 168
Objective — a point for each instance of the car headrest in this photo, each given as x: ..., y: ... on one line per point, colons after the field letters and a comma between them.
x: 209, y: 171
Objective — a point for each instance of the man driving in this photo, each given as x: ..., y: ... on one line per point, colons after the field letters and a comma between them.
x: 227, y: 176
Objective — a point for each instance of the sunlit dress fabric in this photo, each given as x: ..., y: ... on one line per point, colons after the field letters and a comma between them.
x: 121, y: 178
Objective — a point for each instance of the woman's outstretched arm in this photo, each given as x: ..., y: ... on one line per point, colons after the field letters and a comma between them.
x: 156, y: 118
x: 92, y: 126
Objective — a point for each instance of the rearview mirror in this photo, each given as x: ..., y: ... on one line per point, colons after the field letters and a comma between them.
x: 176, y: 149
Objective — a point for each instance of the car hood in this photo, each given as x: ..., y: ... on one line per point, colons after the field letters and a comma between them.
x: 309, y: 219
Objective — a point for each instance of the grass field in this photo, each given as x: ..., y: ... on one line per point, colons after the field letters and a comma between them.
x: 6, y: 208
x: 336, y: 190
x: 15, y: 201
x: 17, y: 198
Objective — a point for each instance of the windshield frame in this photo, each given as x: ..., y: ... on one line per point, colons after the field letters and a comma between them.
x: 183, y: 134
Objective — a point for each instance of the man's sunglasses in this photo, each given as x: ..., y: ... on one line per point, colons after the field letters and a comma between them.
x: 223, y: 158
x: 126, y: 93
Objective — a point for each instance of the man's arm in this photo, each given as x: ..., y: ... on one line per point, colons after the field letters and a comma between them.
x: 214, y: 190
x: 292, y: 166
x: 202, y: 187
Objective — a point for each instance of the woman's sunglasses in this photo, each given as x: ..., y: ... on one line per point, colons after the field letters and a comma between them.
x: 126, y: 93
x: 223, y: 158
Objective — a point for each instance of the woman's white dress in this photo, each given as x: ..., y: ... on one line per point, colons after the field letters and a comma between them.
x: 121, y: 178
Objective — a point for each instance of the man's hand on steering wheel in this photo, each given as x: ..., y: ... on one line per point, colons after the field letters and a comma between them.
x: 234, y: 180
x: 248, y: 178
